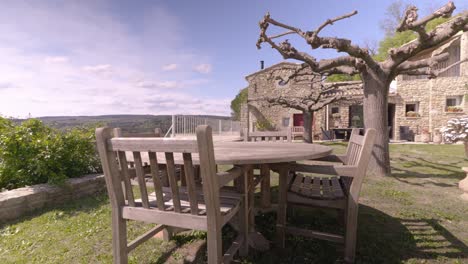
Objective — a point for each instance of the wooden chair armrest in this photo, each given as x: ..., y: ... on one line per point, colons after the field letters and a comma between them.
x: 227, y: 176
x: 333, y: 158
x: 337, y: 170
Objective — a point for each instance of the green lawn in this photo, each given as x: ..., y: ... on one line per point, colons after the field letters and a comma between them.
x: 415, y: 216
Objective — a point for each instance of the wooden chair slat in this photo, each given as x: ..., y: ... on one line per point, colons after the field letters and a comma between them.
x: 126, y: 178
x: 171, y: 174
x: 190, y: 180
x: 297, y: 184
x: 307, y: 187
x: 326, y: 189
x: 336, y: 188
x: 154, y: 166
x: 141, y: 179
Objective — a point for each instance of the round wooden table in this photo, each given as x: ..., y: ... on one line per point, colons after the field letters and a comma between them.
x: 253, y: 153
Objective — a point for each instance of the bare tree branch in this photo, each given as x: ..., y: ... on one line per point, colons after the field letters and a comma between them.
x: 341, y: 70
x: 432, y: 73
x: 331, y: 21
x: 437, y: 36
x: 312, y: 38
x: 429, y: 62
x: 410, y: 21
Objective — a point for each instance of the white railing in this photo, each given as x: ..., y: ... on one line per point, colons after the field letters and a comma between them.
x: 297, y: 130
x: 186, y: 125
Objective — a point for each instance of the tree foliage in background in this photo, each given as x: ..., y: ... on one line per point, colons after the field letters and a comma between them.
x: 241, y: 98
x: 32, y: 153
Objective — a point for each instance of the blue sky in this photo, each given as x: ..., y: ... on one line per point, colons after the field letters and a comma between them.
x: 153, y: 57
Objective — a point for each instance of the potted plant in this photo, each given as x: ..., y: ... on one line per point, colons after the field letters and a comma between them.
x: 454, y: 109
x: 437, y: 137
x: 412, y: 114
x: 425, y: 135
x: 457, y: 131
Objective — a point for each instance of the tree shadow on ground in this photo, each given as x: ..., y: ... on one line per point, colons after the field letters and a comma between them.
x: 451, y: 171
x: 382, y: 238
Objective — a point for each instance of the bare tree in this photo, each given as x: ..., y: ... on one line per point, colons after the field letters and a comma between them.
x: 313, y: 99
x: 376, y: 76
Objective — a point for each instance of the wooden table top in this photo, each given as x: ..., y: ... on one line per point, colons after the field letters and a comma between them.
x: 243, y: 153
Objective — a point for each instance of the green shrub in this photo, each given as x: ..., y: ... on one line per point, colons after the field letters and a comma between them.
x: 32, y: 153
x: 264, y: 125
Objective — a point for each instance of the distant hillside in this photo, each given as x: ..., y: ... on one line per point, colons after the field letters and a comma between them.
x: 128, y: 123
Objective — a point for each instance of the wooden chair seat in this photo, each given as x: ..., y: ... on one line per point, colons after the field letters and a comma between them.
x: 334, y: 185
x: 317, y: 191
x: 230, y: 202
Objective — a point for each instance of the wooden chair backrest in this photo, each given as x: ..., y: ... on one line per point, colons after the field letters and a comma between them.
x: 277, y: 136
x: 358, y: 154
x: 157, y: 133
x: 113, y: 157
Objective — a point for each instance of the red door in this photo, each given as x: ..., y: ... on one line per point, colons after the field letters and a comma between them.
x: 298, y: 120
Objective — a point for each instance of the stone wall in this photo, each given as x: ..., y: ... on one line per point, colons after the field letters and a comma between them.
x: 263, y: 84
x: 431, y: 96
x: 21, y: 201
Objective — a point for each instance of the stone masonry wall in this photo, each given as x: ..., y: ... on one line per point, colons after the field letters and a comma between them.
x: 431, y: 96
x: 21, y: 201
x: 261, y: 85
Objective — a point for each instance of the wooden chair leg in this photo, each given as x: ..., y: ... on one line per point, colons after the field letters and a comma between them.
x: 351, y: 230
x: 167, y: 234
x: 119, y: 238
x: 265, y: 186
x: 214, y: 245
x: 244, y: 229
x: 282, y: 206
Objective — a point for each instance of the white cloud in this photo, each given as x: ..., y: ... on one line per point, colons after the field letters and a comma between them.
x: 102, y: 69
x: 204, y: 68
x: 56, y: 59
x: 156, y: 85
x: 93, y: 44
x: 6, y: 85
x: 170, y: 67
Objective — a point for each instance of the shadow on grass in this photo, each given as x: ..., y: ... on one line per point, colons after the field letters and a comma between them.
x: 381, y: 239
x: 410, y: 167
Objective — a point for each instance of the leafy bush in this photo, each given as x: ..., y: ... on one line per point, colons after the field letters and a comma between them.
x: 32, y: 153
x: 264, y: 125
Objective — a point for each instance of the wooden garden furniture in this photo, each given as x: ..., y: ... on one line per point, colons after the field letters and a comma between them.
x: 264, y: 177
x: 334, y: 186
x: 248, y: 155
x: 206, y: 208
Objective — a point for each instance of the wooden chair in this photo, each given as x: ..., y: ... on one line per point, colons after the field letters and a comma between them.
x: 264, y: 177
x: 205, y: 207
x: 336, y: 187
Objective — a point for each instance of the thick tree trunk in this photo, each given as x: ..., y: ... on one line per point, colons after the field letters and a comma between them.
x: 376, y: 116
x: 308, y: 117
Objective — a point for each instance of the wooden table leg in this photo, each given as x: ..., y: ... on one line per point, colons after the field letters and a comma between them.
x: 282, y: 205
x: 265, y: 186
x: 255, y: 239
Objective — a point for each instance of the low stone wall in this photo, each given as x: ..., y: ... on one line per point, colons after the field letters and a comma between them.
x: 17, y: 202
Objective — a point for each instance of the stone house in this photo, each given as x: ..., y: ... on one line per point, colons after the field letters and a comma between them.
x: 417, y: 104
x: 265, y: 83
